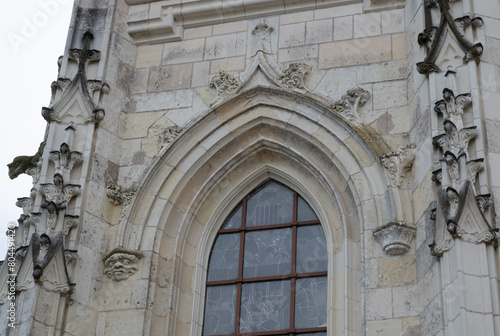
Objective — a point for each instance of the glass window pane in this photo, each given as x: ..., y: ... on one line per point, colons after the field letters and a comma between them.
x: 312, y: 255
x: 265, y: 306
x: 310, y: 302
x: 220, y: 310
x: 234, y: 220
x: 224, y: 257
x: 304, y: 211
x: 267, y: 252
x: 273, y: 204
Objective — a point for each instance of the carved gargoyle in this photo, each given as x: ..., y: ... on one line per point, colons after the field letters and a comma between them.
x: 119, y: 264
x: 21, y: 164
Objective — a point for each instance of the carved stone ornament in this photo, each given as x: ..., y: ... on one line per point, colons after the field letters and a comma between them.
x: 78, y: 85
x: 349, y: 103
x: 22, y: 164
x: 395, y: 238
x: 398, y: 163
x: 171, y: 133
x: 293, y: 76
x: 224, y: 84
x: 459, y: 213
x: 64, y: 159
x: 120, y: 263
x: 433, y: 37
x: 118, y: 195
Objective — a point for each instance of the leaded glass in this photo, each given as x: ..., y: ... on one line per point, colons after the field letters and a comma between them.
x: 312, y: 255
x: 304, y: 211
x: 220, y: 310
x: 267, y: 272
x: 234, y: 220
x: 310, y: 302
x: 267, y: 252
x: 273, y: 204
x: 265, y: 306
x: 224, y: 257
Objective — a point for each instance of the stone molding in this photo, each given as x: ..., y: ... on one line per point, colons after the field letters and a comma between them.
x: 433, y: 37
x: 399, y: 163
x: 167, y: 22
x: 120, y: 263
x: 395, y: 238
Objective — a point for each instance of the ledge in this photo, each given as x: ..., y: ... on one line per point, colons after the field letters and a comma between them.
x: 168, y: 21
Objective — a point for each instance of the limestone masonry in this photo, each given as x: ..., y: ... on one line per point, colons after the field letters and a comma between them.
x: 264, y: 167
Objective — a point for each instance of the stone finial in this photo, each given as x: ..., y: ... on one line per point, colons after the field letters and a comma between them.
x: 395, y: 238
x: 224, y: 84
x: 293, y: 76
x: 120, y: 263
x: 262, y: 41
x: 348, y: 104
x: 398, y: 163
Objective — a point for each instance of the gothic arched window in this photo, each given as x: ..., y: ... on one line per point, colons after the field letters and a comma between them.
x: 267, y: 273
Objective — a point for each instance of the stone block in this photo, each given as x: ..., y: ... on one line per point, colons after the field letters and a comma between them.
x: 355, y: 52
x: 296, y: 17
x: 336, y: 82
x: 411, y: 326
x: 193, y: 33
x: 184, y: 51
x: 220, y: 46
x: 297, y: 53
x: 384, y: 328
x: 397, y: 271
x: 371, y: 273
x: 398, y: 47
x: 201, y: 71
x: 149, y: 55
x: 319, y: 31
x: 124, y: 322
x: 233, y: 27
x: 392, y: 21
x: 162, y: 100
x: 343, y: 28
x: 366, y: 25
x: 390, y: 94
x: 170, y: 77
x: 235, y: 64
x: 378, y: 304
x: 405, y: 301
x: 292, y: 35
x: 337, y: 11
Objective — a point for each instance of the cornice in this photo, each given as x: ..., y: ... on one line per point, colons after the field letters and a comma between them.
x: 168, y: 19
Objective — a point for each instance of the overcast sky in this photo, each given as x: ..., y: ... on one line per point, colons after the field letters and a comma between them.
x: 32, y: 37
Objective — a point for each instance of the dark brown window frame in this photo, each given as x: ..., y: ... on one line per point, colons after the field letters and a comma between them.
x: 293, y: 276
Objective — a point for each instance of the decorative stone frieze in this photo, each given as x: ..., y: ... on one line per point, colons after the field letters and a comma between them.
x: 399, y: 163
x: 349, y: 103
x: 434, y: 37
x: 225, y: 85
x: 293, y: 76
x: 459, y: 212
x: 395, y: 238
x: 120, y: 263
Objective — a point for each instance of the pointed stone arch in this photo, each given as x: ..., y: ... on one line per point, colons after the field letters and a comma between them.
x: 262, y: 132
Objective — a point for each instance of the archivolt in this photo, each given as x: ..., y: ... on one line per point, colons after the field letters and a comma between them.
x: 196, y: 183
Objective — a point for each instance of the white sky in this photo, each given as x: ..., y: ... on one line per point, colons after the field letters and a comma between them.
x: 32, y: 37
